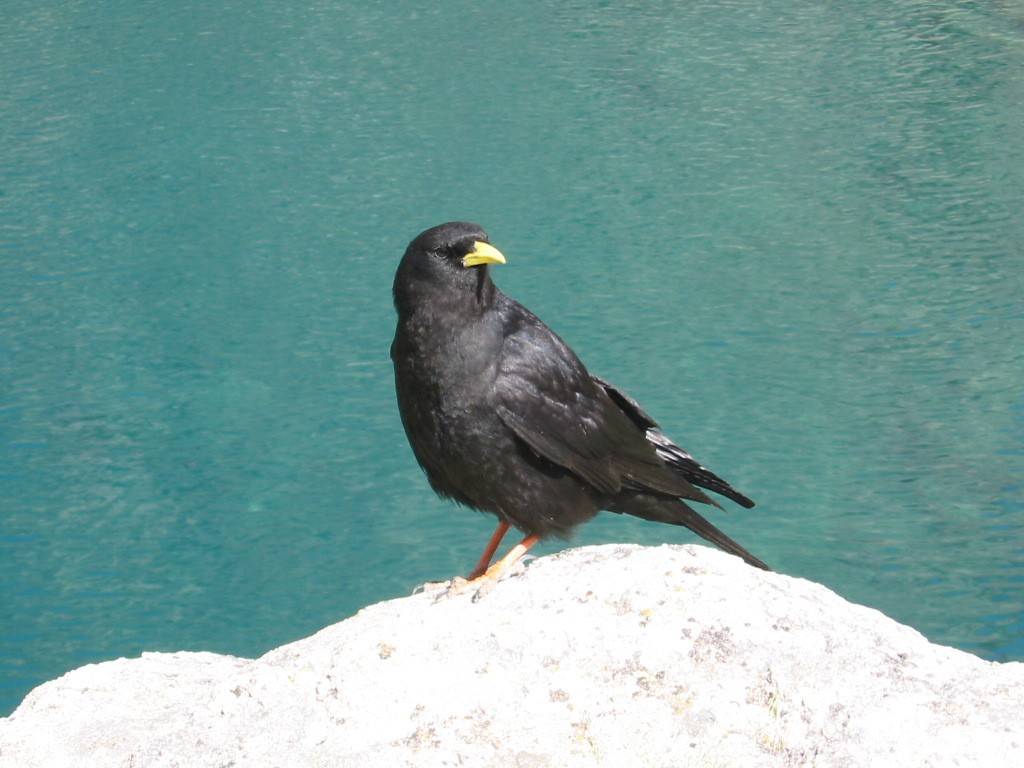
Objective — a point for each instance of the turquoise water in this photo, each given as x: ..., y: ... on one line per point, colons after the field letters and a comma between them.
x: 792, y: 230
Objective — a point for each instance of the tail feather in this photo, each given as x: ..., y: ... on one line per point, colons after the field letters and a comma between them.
x: 660, y: 509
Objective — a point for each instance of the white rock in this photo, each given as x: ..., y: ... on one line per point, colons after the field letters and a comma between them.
x: 615, y: 655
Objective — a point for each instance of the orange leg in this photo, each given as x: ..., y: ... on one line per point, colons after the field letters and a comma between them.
x: 485, y: 576
x: 492, y: 545
x: 493, y: 574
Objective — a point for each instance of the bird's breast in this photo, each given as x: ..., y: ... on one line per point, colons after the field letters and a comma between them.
x: 445, y: 372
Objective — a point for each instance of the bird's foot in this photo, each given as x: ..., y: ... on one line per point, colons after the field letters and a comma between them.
x: 443, y: 590
x: 481, y: 583
x: 478, y: 587
x: 431, y: 586
x: 457, y: 586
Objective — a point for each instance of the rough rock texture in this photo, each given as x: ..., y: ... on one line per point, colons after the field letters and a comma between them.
x: 615, y: 655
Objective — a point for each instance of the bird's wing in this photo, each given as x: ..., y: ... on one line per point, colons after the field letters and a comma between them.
x: 675, y: 457
x: 687, y: 466
x: 627, y: 404
x: 565, y: 450
x: 552, y: 404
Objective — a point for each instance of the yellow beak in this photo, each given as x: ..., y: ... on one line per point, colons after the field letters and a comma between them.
x: 482, y: 253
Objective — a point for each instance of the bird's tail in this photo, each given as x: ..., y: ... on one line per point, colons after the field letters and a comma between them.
x: 661, y: 509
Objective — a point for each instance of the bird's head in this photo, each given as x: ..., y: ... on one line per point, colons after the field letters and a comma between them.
x: 448, y: 262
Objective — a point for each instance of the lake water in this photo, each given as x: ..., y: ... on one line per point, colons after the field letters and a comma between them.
x: 792, y: 230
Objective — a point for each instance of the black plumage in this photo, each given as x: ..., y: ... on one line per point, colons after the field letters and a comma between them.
x: 504, y: 417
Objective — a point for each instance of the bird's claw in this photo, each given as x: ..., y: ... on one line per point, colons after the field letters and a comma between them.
x: 460, y: 586
x: 430, y: 586
x: 480, y: 586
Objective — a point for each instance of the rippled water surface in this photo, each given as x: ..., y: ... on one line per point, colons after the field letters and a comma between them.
x: 792, y: 230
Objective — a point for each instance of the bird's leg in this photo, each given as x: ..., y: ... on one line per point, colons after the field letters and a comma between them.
x: 458, y: 583
x: 500, y: 568
x: 492, y: 545
x: 482, y: 584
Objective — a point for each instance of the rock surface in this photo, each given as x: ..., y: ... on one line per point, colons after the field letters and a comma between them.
x: 614, y: 655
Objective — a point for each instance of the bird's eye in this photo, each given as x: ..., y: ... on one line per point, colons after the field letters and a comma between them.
x: 437, y: 252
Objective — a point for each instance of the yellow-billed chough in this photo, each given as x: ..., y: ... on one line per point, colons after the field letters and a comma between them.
x: 504, y: 418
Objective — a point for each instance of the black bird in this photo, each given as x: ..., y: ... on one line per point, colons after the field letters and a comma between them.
x: 504, y: 418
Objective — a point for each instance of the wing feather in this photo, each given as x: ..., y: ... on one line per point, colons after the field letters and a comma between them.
x: 675, y: 457
x: 551, y: 402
